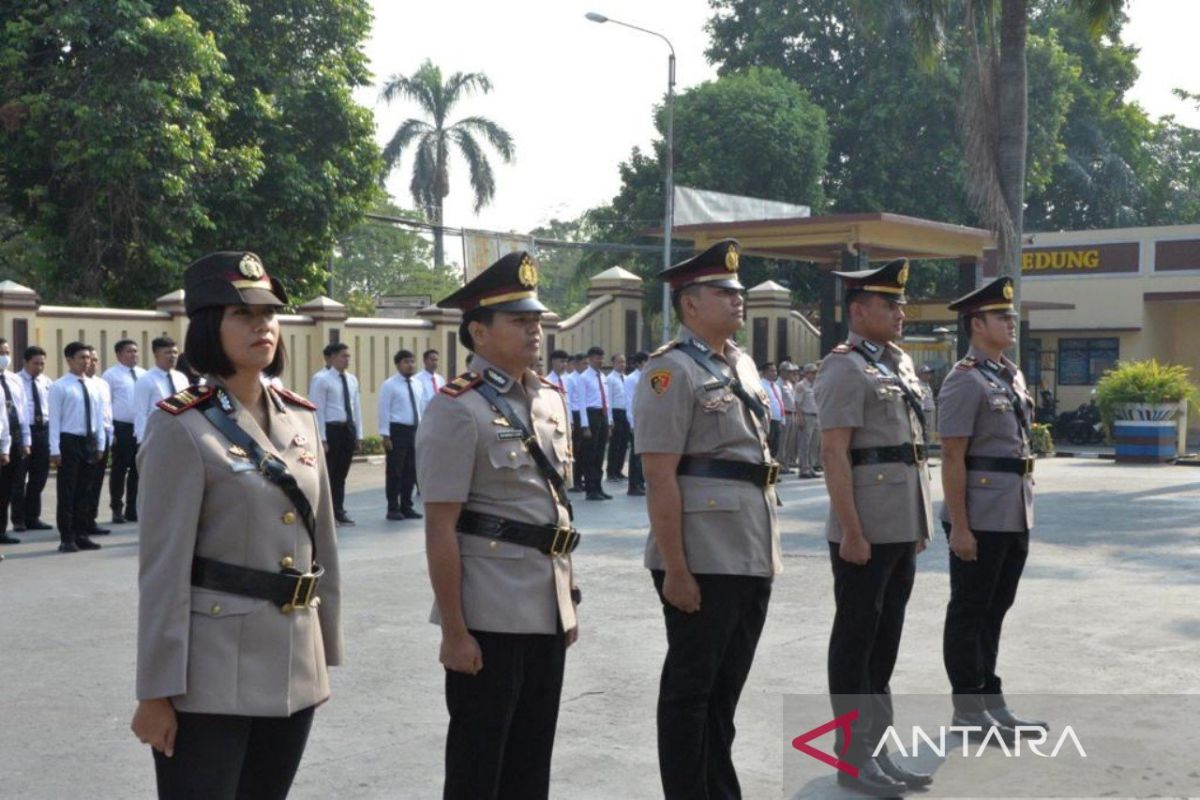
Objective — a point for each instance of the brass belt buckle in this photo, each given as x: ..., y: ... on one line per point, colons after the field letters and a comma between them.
x: 306, y: 584
x: 1028, y: 467
x: 773, y: 473
x: 561, y: 544
x: 916, y: 454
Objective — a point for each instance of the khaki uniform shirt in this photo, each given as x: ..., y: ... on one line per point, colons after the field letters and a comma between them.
x: 729, y: 527
x: 973, y: 403
x: 213, y: 652
x: 467, y: 453
x: 892, y: 500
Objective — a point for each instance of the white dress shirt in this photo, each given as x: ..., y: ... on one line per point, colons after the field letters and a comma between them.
x: 573, y: 399
x: 395, y: 406
x: 774, y: 399
x: 312, y: 382
x: 433, y: 384
x: 101, y: 388
x: 330, y: 402
x: 69, y: 413
x: 591, y: 395
x: 41, y: 385
x: 155, y: 385
x: 559, y: 379
x: 631, y: 384
x: 614, y: 384
x: 16, y: 388
x: 5, y: 435
x: 122, y: 382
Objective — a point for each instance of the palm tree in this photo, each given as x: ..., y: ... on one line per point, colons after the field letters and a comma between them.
x: 435, y: 137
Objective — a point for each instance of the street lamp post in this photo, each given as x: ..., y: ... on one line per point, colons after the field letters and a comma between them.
x: 668, y: 177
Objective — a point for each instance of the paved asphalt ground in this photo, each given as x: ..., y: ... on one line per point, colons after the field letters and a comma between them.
x: 1110, y: 603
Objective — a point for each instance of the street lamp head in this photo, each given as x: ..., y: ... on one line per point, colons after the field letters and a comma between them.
x: 594, y: 17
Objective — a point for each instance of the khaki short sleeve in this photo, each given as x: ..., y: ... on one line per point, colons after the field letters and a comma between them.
x: 958, y: 404
x: 446, y: 441
x: 841, y: 393
x: 663, y: 408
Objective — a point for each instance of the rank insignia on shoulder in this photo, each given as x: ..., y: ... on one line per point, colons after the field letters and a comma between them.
x: 660, y: 380
x: 966, y: 364
x: 460, y: 384
x: 669, y: 345
x: 183, y: 400
x: 842, y: 349
x: 293, y: 398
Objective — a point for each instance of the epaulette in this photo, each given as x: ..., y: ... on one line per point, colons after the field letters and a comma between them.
x: 664, y: 348
x: 967, y: 364
x: 553, y: 386
x: 293, y: 398
x: 842, y: 349
x: 181, y: 401
x: 461, y: 384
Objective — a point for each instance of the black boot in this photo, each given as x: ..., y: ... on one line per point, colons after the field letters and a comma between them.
x: 913, y: 780
x: 872, y: 781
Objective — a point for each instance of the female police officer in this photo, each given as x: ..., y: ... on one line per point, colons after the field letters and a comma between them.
x: 238, y: 612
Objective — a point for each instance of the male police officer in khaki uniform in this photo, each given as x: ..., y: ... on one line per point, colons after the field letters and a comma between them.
x: 493, y: 452
x: 872, y: 445
x: 714, y: 540
x: 987, y: 476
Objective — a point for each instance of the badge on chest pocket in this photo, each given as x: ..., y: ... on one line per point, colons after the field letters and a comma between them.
x: 718, y: 403
x: 1000, y: 403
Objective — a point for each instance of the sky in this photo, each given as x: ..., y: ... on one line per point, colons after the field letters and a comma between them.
x: 577, y: 96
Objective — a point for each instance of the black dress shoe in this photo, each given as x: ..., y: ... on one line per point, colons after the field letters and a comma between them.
x: 343, y: 519
x: 1011, y: 720
x: 38, y: 525
x: 85, y: 543
x: 6, y: 539
x: 130, y: 517
x: 19, y: 528
x: 636, y: 492
x: 412, y: 513
x: 575, y: 490
x: 605, y: 495
x: 68, y: 547
x: 395, y: 515
x: 118, y: 520
x: 99, y: 532
x: 913, y: 780
x: 872, y: 781
x: 984, y: 720
x: 595, y: 496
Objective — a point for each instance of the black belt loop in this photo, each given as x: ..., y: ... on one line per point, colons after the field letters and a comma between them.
x: 1016, y: 466
x: 549, y: 539
x: 909, y: 454
x: 761, y: 475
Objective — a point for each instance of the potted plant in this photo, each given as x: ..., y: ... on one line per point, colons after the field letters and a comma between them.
x: 1143, y: 405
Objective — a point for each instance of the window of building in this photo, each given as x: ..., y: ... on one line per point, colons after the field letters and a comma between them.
x: 1033, y: 361
x: 1081, y: 362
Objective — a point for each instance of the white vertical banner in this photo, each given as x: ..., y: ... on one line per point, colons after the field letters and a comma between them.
x: 483, y: 248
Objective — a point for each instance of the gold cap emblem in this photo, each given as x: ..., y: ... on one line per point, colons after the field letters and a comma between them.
x: 902, y: 277
x: 731, y: 259
x: 527, y: 273
x: 1008, y: 292
x: 251, y: 267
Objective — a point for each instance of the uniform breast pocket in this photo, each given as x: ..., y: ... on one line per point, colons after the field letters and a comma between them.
x: 719, y: 410
x: 999, y: 403
x: 509, y: 453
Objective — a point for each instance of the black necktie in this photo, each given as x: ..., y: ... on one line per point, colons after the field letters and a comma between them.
x: 133, y: 372
x: 346, y: 398
x: 87, y: 408
x: 170, y: 384
x: 412, y: 398
x: 38, y: 417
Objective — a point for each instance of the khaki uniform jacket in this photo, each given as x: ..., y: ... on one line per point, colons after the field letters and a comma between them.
x: 213, y: 652
x: 892, y: 500
x: 730, y: 527
x: 973, y: 403
x: 467, y: 453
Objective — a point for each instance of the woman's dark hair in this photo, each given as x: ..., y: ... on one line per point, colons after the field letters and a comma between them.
x: 203, y: 346
x: 184, y: 365
x: 483, y: 316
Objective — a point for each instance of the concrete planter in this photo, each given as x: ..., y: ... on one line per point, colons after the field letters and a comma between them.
x: 1148, y: 433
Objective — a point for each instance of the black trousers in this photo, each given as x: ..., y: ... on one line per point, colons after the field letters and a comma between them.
x: 709, y: 654
x: 340, y: 439
x: 227, y: 757
x: 10, y: 479
x: 32, y: 474
x: 579, y: 448
x: 593, y: 476
x: 401, y: 467
x: 75, y: 475
x: 503, y: 720
x: 981, y: 593
x: 95, y: 486
x: 774, y: 435
x: 636, y: 479
x: 618, y: 443
x: 123, y: 480
x: 867, y: 624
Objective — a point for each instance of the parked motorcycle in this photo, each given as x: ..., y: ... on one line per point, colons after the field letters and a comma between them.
x: 1081, y: 426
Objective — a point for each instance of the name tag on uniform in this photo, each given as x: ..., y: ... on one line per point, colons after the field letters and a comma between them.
x: 509, y: 434
x: 712, y: 386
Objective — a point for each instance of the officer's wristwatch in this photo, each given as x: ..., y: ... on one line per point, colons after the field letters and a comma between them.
x: 576, y: 596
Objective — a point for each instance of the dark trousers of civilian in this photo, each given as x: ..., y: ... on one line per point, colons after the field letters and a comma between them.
x: 595, y: 444
x: 870, y: 600
x: 123, y: 480
x: 31, y: 479
x: 618, y: 443
x: 579, y: 450
x: 503, y: 719
x: 340, y: 438
x: 228, y: 757
x: 636, y: 479
x: 76, y: 472
x: 401, y: 465
x: 95, y: 480
x: 981, y: 593
x: 709, y: 654
x: 10, y: 480
x: 774, y: 433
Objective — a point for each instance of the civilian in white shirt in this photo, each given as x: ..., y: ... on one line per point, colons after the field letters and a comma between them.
x: 96, y: 473
x: 122, y: 379
x: 340, y: 421
x: 429, y: 377
x: 34, y: 470
x: 15, y: 441
x: 402, y: 400
x: 578, y: 364
x: 769, y: 375
x: 637, y: 482
x: 76, y: 445
x: 326, y: 354
x: 618, y: 442
x: 595, y: 418
x: 158, y: 383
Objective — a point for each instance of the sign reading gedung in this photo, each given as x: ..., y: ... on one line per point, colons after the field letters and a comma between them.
x: 1072, y: 260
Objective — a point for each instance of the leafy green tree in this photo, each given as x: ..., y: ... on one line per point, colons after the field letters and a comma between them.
x: 436, y: 136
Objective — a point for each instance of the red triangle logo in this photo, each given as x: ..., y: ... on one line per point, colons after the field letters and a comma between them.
x: 843, y: 722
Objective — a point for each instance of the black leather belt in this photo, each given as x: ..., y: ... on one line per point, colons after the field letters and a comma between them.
x: 289, y: 589
x: 1017, y: 466
x: 549, y: 539
x: 910, y: 454
x: 762, y: 475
